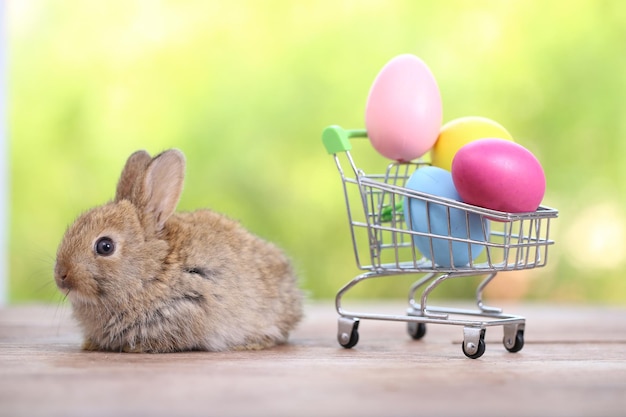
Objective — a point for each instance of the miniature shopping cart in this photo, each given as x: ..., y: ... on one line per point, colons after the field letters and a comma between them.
x: 384, y: 246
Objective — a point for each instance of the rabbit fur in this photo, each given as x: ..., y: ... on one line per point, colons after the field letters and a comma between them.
x: 144, y: 278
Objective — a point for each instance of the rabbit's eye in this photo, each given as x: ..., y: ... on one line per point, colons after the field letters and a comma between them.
x: 105, y: 246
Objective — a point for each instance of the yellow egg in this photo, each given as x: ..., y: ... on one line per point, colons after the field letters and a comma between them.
x: 458, y: 132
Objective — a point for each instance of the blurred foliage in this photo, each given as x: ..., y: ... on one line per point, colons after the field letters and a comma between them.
x: 245, y: 88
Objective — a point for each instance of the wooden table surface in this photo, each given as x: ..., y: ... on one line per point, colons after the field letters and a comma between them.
x: 573, y: 364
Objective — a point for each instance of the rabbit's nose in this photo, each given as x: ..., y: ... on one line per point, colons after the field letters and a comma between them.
x: 60, y: 276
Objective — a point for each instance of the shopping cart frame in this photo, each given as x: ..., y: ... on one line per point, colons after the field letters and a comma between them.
x: 520, y: 241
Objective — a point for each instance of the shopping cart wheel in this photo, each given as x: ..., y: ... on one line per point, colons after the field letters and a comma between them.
x: 514, y: 344
x: 348, y: 334
x: 416, y: 330
x: 473, y: 342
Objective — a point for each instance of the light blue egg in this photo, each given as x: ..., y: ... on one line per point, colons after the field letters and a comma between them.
x: 438, y: 181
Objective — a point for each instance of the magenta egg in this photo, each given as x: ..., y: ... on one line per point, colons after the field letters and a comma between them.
x: 500, y: 175
x: 403, y: 114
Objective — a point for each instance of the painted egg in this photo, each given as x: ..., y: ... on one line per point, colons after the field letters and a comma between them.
x: 404, y: 112
x: 437, y: 219
x: 458, y: 132
x: 500, y: 175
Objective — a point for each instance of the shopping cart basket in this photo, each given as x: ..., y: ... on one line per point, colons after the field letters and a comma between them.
x: 384, y: 246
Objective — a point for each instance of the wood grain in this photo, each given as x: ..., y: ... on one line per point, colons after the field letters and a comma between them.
x: 573, y: 364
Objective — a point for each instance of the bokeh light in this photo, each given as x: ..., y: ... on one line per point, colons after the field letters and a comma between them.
x: 245, y: 89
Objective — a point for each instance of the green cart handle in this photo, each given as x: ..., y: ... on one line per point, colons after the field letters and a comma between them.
x: 337, y: 139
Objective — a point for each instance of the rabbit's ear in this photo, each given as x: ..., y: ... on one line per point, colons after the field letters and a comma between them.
x: 162, y: 186
x: 132, y: 174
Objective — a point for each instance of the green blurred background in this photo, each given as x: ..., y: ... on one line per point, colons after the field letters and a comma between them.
x: 245, y: 88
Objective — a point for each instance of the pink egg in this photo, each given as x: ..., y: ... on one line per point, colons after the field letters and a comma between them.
x: 498, y: 174
x: 403, y: 114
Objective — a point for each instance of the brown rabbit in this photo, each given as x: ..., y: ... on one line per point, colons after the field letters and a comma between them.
x: 142, y: 278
